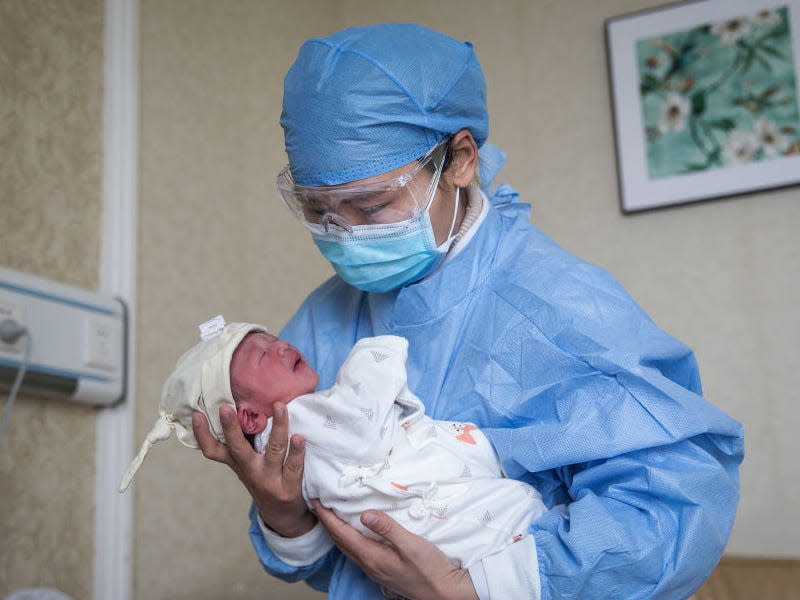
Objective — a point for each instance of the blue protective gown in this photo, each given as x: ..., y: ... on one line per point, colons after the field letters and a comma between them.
x: 581, y: 394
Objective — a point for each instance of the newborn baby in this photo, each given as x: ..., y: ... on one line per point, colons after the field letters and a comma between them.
x: 369, y: 444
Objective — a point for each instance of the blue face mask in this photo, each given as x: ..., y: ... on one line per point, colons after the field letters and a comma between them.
x: 381, y: 258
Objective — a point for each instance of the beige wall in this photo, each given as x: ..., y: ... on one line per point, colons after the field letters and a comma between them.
x: 51, y: 92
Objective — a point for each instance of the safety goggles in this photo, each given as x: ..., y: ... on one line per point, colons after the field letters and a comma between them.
x: 389, y: 200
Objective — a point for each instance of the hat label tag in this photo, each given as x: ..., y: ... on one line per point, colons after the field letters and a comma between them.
x: 212, y: 328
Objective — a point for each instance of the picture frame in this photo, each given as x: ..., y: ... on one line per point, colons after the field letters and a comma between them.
x: 705, y: 100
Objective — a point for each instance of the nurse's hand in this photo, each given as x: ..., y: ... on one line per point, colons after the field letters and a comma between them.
x: 406, y: 564
x: 274, y: 484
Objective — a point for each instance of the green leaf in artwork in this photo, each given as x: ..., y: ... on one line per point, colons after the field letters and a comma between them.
x: 726, y: 124
x: 772, y: 51
x: 684, y: 56
x: 649, y: 83
x: 749, y: 56
x: 764, y: 63
x: 769, y: 92
x: 711, y: 158
x: 698, y: 103
x: 780, y: 30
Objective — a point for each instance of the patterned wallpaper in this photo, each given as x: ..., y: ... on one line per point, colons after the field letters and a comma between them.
x: 51, y: 95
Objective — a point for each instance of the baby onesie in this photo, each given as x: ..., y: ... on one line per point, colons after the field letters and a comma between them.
x: 369, y: 445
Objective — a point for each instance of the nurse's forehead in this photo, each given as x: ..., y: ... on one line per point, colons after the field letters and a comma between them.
x: 387, y: 177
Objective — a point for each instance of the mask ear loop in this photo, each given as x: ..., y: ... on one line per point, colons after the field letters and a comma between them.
x: 455, y: 214
x: 445, y: 245
x: 434, y: 183
x: 431, y: 192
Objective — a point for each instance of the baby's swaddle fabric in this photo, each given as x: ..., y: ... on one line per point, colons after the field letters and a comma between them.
x: 369, y: 445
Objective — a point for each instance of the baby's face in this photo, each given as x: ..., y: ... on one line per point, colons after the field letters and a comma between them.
x: 266, y: 370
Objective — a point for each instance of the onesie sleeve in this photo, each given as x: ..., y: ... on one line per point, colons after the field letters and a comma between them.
x: 513, y: 572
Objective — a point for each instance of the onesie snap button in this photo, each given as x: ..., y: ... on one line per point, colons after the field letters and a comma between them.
x: 418, y: 510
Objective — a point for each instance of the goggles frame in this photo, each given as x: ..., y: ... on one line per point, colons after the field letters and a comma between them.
x: 386, y: 201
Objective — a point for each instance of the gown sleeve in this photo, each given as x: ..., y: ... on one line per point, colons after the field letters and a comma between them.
x: 648, y: 524
x: 316, y: 574
x: 640, y: 472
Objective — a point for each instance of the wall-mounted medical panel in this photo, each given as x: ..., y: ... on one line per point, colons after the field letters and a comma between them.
x: 77, y: 340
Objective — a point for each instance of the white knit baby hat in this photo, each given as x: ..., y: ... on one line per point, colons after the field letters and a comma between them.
x: 201, y: 381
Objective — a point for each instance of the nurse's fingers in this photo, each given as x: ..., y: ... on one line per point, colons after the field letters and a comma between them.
x: 209, y: 445
x: 239, y: 449
x: 275, y: 453
x: 389, y: 529
x: 369, y: 554
x: 293, y: 467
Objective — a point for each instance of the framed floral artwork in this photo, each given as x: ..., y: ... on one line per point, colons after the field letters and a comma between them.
x: 705, y: 98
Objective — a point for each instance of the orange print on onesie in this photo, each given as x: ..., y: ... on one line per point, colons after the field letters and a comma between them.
x: 463, y: 431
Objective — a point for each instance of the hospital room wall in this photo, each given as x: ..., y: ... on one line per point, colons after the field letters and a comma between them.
x: 214, y: 239
x: 51, y: 69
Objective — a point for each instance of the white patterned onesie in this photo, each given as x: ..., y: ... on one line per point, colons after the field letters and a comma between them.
x: 369, y: 445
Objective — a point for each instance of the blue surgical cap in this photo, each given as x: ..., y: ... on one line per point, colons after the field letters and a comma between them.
x: 368, y: 100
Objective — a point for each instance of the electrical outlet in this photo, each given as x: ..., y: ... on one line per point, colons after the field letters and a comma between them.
x: 11, y: 308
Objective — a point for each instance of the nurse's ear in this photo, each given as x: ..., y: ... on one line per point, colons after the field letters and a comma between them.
x: 464, y: 158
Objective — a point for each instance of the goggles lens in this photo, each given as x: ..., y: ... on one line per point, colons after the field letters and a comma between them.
x: 390, y: 200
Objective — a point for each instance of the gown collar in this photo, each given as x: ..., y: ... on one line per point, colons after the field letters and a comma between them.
x: 460, y: 274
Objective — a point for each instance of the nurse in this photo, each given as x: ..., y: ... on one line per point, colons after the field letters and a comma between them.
x: 581, y: 394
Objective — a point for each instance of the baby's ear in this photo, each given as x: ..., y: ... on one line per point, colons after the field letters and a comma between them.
x: 250, y: 421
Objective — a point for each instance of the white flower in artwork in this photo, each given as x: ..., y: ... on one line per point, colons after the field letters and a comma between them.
x: 732, y: 30
x: 770, y: 137
x: 767, y: 18
x: 739, y: 147
x: 673, y: 113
